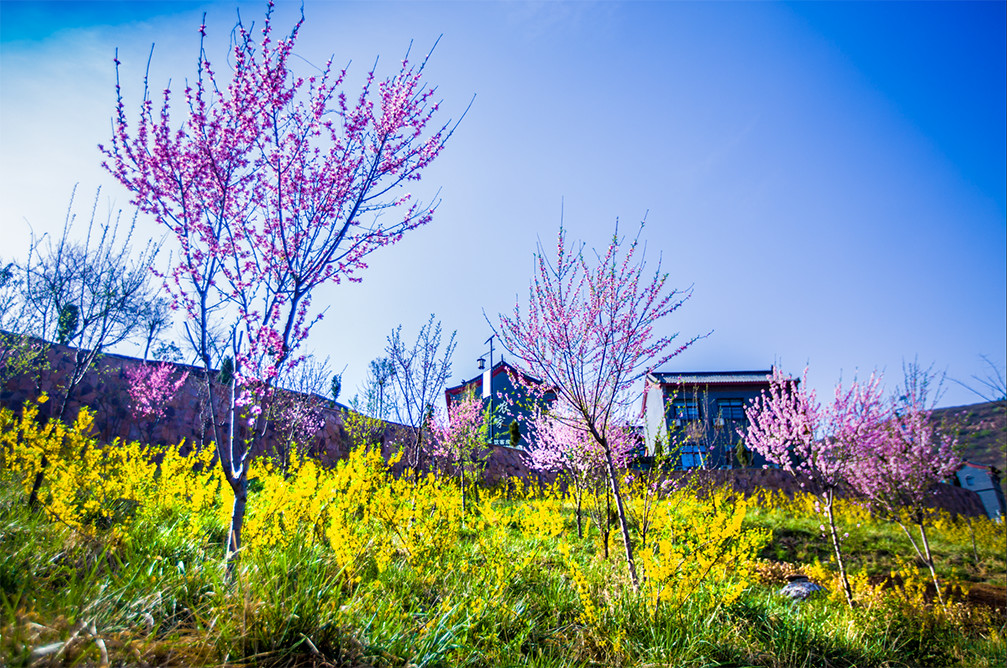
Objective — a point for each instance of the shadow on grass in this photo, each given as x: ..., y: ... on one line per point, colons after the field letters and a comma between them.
x: 803, y: 634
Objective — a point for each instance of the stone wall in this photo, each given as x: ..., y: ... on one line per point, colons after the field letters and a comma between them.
x: 104, y: 391
x: 747, y: 482
x: 186, y: 416
x: 186, y: 419
x: 504, y: 463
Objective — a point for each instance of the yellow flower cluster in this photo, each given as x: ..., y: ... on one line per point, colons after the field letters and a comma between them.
x: 589, y: 616
x: 847, y: 511
x: 362, y: 513
x: 543, y: 519
x: 698, y: 549
x: 86, y: 485
x: 367, y: 520
x: 989, y: 535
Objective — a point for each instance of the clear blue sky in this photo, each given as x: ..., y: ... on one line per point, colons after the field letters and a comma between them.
x: 828, y: 177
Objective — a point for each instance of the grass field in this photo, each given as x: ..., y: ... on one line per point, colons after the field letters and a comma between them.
x: 123, y: 565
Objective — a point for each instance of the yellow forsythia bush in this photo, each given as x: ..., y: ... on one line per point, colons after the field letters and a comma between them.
x: 88, y: 484
x: 699, y: 548
x: 367, y: 519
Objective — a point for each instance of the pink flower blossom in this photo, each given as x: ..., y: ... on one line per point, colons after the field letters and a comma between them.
x: 272, y: 185
x: 899, y: 467
x: 458, y: 437
x: 151, y: 387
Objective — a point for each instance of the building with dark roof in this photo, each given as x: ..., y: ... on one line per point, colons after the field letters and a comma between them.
x: 984, y: 481
x: 507, y: 400
x: 699, y: 416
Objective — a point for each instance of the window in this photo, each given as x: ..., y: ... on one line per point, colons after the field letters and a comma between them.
x: 685, y: 410
x: 732, y: 409
x: 692, y: 457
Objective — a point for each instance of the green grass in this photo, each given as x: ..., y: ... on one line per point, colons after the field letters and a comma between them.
x: 158, y: 599
x: 875, y: 547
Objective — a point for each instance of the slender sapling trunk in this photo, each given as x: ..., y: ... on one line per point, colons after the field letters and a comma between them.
x: 579, y: 493
x: 37, y: 484
x: 240, y: 489
x: 930, y: 561
x: 829, y: 498
x: 623, y: 525
x: 461, y: 482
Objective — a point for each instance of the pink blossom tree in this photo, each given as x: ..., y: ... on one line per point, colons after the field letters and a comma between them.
x: 790, y: 428
x: 588, y: 332
x: 560, y: 445
x: 150, y: 387
x: 272, y: 185
x: 896, y: 471
x: 458, y: 437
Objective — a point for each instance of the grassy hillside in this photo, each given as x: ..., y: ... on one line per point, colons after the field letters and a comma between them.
x: 122, y: 565
x: 981, y: 430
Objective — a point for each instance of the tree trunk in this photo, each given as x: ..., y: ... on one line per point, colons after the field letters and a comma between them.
x: 608, y: 517
x: 461, y: 482
x: 37, y: 484
x: 71, y: 384
x: 623, y: 525
x: 238, y: 480
x: 923, y: 555
x: 580, y: 521
x: 930, y: 562
x: 829, y: 498
x: 240, y: 488
x: 417, y: 454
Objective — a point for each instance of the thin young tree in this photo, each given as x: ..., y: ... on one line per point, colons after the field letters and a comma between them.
x: 420, y: 372
x: 272, y: 185
x: 88, y: 292
x: 153, y: 321
x: 458, y: 436
x: 790, y: 428
x: 588, y: 331
x: 379, y: 398
x: 896, y: 472
x: 559, y: 445
x: 19, y: 352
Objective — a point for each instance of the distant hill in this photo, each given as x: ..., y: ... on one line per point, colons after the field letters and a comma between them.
x: 981, y: 430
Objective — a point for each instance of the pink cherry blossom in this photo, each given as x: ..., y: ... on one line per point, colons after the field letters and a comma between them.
x: 151, y: 387
x: 588, y: 333
x: 271, y: 185
x: 897, y: 469
x: 790, y: 428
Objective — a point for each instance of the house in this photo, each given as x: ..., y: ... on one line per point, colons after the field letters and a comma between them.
x: 984, y: 481
x: 701, y: 415
x: 508, y: 401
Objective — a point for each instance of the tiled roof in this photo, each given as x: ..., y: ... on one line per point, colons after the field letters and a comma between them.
x: 500, y: 367
x: 712, y: 377
x: 975, y: 466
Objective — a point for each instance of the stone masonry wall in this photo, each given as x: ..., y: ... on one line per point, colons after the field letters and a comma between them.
x: 747, y: 482
x: 103, y: 390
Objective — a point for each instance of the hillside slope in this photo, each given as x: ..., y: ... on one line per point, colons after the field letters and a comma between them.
x: 981, y: 430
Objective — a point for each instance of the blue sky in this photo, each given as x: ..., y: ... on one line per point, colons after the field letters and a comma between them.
x: 829, y: 178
